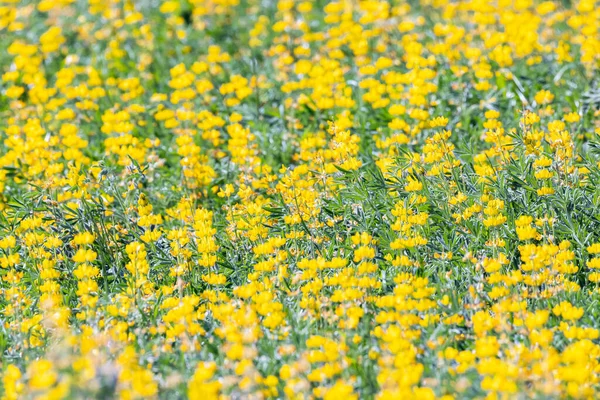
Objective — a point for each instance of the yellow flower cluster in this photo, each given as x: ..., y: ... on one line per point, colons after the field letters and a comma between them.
x: 257, y: 199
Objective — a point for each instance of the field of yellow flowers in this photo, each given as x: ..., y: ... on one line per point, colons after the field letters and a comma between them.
x: 260, y: 199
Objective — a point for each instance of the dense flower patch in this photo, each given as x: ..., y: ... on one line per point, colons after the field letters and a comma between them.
x: 299, y: 199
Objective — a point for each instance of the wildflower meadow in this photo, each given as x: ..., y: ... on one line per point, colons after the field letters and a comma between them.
x: 299, y: 199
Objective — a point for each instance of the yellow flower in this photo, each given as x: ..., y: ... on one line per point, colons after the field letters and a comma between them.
x: 83, y: 255
x: 42, y: 374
